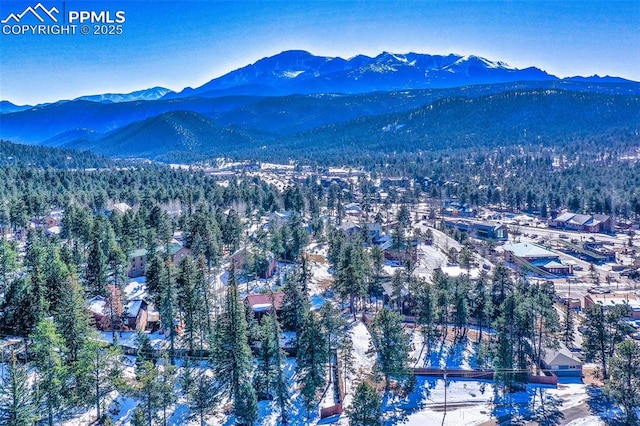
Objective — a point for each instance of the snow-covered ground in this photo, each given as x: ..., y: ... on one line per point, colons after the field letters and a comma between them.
x: 469, y: 402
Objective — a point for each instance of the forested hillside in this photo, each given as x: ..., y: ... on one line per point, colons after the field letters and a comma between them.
x: 36, y: 156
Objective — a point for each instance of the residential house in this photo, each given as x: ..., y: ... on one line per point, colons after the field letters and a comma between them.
x: 137, y: 263
x: 280, y: 218
x: 400, y: 182
x: 96, y: 306
x: 457, y: 209
x: 136, y: 313
x: 53, y: 219
x: 265, y: 264
x: 263, y: 303
x: 121, y: 208
x: 401, y: 253
x: 561, y: 361
x: 138, y: 258
x: 349, y: 228
x: 178, y: 252
x: 353, y: 209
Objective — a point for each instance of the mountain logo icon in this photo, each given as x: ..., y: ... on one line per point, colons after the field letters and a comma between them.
x: 38, y: 11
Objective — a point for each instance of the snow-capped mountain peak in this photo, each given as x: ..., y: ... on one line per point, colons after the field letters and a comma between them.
x: 300, y: 72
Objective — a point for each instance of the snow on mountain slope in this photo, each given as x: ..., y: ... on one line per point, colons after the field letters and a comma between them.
x: 300, y: 72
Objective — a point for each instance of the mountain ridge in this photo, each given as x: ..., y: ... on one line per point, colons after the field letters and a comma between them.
x: 279, y: 98
x: 300, y: 72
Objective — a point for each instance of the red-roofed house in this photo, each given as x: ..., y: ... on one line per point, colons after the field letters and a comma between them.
x: 262, y: 303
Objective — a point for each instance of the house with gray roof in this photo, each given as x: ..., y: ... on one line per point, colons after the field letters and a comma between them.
x: 562, y: 362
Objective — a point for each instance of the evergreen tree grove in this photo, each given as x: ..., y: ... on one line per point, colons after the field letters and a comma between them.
x: 232, y: 358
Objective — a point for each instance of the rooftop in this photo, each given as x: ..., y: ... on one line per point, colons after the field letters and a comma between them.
x: 560, y: 356
x: 528, y: 250
x: 263, y: 301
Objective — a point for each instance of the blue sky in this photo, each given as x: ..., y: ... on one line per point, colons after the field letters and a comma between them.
x: 187, y: 43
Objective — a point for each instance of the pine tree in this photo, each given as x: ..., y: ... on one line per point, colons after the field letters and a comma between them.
x: 147, y: 389
x: 231, y: 353
x: 376, y: 258
x: 501, y: 286
x: 334, y: 327
x: 392, y: 346
x: 113, y: 311
x: 441, y: 286
x: 545, y: 316
x: 117, y: 263
x: 294, y: 305
x: 20, y: 311
x: 8, y: 255
x: 279, y: 379
x: 603, y: 332
x: 351, y: 275
x: 50, y: 382
x: 188, y: 301
x: 166, y: 387
x: 145, y: 350
x: 346, y: 359
x: 55, y: 273
x: 480, y: 303
x: 624, y: 383
x: 168, y: 305
x: 99, y: 371
x: 32, y: 293
x: 312, y: 355
x: 366, y: 407
x: 461, y: 297
x: 153, y: 276
x: 203, y: 396
x: 138, y: 417
x: 204, y: 296
x: 425, y: 311
x: 397, y: 289
x: 97, y: 268
x: 72, y: 318
x: 304, y: 275
x: 266, y: 367
x: 246, y: 405
x: 17, y: 399
x: 503, y: 358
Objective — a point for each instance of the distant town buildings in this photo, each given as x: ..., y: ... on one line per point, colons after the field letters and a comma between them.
x: 480, y: 230
x: 607, y: 301
x: 536, y: 258
x: 583, y: 223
